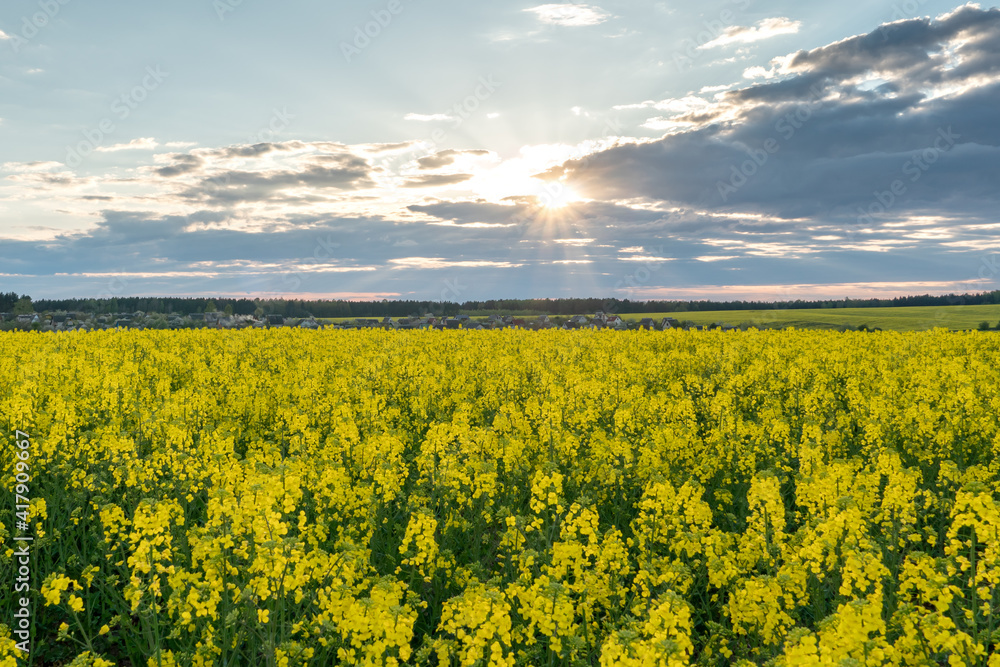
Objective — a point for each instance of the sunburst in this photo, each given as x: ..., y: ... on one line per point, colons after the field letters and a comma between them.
x: 557, y: 195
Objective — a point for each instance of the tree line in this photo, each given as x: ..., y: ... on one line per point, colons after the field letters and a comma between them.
x: 405, y: 308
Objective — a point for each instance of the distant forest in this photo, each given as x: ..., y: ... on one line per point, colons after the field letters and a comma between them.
x: 325, y: 308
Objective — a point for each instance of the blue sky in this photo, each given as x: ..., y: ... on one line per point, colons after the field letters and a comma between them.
x: 446, y: 150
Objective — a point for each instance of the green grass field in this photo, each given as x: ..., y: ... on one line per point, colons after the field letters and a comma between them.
x: 896, y: 319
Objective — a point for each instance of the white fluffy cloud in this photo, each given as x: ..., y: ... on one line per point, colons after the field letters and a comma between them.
x: 142, y: 144
x: 763, y: 29
x: 428, y: 117
x: 570, y: 15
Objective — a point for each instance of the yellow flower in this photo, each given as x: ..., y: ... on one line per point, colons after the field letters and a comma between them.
x: 52, y: 589
x: 576, y: 494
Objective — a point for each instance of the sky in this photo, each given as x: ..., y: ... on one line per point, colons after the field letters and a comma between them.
x: 454, y: 151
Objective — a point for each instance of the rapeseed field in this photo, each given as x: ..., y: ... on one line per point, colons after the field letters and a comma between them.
x: 288, y: 497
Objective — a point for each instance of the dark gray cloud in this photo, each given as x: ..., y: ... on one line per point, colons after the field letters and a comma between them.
x: 914, y: 47
x: 319, y: 166
x: 235, y: 186
x: 256, y: 150
x: 475, y: 211
x: 911, y: 105
x: 587, y: 247
x: 181, y: 163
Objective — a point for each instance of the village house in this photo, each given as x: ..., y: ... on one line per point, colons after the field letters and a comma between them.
x: 615, y: 322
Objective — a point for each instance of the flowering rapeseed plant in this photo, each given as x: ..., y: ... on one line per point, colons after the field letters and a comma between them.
x: 292, y: 497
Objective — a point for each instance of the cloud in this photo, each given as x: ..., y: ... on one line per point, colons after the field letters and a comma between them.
x: 4, y: 35
x: 180, y: 164
x: 285, y: 171
x: 758, y: 72
x: 438, y: 160
x: 818, y: 140
x: 428, y: 118
x: 253, y: 150
x: 763, y: 29
x: 248, y: 186
x: 758, y: 183
x: 473, y: 211
x: 388, y: 147
x: 680, y: 104
x: 446, y: 158
x: 600, y: 245
x: 143, y: 144
x: 434, y: 180
x: 570, y: 15
x: 25, y: 167
x: 914, y: 46
x: 43, y: 180
x: 442, y: 263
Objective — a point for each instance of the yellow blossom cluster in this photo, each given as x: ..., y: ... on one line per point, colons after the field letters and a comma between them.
x: 502, y: 498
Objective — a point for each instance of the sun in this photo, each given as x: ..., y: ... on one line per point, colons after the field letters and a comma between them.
x: 556, y: 195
